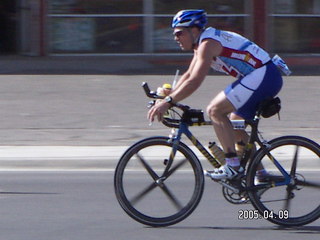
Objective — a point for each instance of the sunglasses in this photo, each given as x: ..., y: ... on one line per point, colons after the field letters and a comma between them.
x: 178, y: 33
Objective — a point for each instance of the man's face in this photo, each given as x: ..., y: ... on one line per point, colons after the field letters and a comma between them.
x: 183, y: 37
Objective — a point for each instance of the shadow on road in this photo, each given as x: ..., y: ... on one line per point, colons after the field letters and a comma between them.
x: 301, y: 229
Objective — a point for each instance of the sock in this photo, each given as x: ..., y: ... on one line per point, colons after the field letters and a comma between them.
x: 233, y: 162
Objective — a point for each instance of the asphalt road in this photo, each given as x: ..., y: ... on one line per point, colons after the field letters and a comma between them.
x: 82, y: 205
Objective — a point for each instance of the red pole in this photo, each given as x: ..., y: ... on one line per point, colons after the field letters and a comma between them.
x: 260, y: 15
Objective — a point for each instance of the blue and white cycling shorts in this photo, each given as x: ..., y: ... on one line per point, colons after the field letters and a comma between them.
x: 247, y: 92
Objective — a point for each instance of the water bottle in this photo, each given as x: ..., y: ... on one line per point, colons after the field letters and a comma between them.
x: 280, y: 63
x: 217, y: 152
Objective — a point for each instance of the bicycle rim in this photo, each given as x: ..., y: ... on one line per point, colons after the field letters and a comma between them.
x: 293, y: 202
x: 145, y: 195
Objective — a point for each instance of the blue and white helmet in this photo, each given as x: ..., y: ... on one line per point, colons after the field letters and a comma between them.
x: 190, y: 18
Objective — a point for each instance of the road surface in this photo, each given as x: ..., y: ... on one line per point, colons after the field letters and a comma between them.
x: 82, y: 206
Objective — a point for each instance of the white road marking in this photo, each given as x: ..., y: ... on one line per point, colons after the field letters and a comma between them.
x: 72, y: 158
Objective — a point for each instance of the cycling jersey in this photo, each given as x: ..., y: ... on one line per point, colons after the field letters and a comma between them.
x: 259, y: 78
x: 239, y: 56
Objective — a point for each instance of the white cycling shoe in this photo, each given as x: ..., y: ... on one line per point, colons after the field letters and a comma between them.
x: 224, y: 172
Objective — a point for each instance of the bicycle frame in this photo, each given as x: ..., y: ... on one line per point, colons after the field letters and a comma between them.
x: 253, y: 138
x: 264, y: 146
x: 184, y: 129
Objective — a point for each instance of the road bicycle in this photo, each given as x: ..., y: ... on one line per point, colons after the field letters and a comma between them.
x: 159, y: 181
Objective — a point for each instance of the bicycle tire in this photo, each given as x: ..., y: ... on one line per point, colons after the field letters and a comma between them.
x: 300, y: 157
x: 134, y: 167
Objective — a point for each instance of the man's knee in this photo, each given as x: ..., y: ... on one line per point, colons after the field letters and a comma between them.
x: 214, y: 112
x: 219, y: 107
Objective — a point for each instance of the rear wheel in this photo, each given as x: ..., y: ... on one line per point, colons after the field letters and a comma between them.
x: 152, y: 189
x: 290, y: 194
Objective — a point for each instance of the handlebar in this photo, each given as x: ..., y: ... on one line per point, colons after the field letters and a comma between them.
x: 193, y: 117
x: 149, y: 93
x: 153, y: 94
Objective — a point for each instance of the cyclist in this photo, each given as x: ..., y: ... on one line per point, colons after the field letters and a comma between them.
x: 258, y: 78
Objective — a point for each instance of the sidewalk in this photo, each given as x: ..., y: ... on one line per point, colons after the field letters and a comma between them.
x: 58, y: 158
x: 94, y: 158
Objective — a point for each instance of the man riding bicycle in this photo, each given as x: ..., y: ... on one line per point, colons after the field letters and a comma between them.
x: 258, y: 79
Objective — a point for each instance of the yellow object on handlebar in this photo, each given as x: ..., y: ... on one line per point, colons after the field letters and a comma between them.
x: 164, y: 90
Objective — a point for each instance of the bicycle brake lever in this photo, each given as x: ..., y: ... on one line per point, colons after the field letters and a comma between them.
x: 151, y: 103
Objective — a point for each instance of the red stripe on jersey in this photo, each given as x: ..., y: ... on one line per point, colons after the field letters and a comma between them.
x: 231, y: 71
x: 244, y: 56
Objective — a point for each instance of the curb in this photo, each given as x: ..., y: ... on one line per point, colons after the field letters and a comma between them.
x: 53, y: 158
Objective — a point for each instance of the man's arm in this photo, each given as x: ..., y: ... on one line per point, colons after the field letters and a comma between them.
x: 190, y: 81
x: 187, y: 74
x: 199, y: 68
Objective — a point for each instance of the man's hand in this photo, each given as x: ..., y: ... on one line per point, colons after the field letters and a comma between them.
x: 158, y: 110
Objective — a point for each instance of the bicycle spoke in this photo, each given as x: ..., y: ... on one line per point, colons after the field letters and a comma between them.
x: 176, y: 167
x: 158, y: 183
x: 289, y: 190
x: 152, y: 173
x: 288, y: 198
x: 143, y: 193
x: 164, y: 188
x: 294, y: 163
x: 308, y: 184
x: 271, y: 201
x: 171, y: 197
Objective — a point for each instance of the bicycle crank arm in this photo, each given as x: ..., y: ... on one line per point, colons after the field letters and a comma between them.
x: 235, y: 190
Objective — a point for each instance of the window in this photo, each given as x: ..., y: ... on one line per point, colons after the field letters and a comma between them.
x: 296, y: 26
x: 96, y: 6
x: 96, y: 26
x: 132, y: 26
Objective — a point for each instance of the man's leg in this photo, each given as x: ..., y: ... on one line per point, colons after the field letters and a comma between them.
x: 241, y: 136
x: 218, y: 111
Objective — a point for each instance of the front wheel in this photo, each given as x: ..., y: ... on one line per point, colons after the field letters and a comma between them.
x: 289, y: 194
x: 154, y: 190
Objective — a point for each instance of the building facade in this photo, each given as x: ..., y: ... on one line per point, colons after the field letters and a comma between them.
x: 107, y: 27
